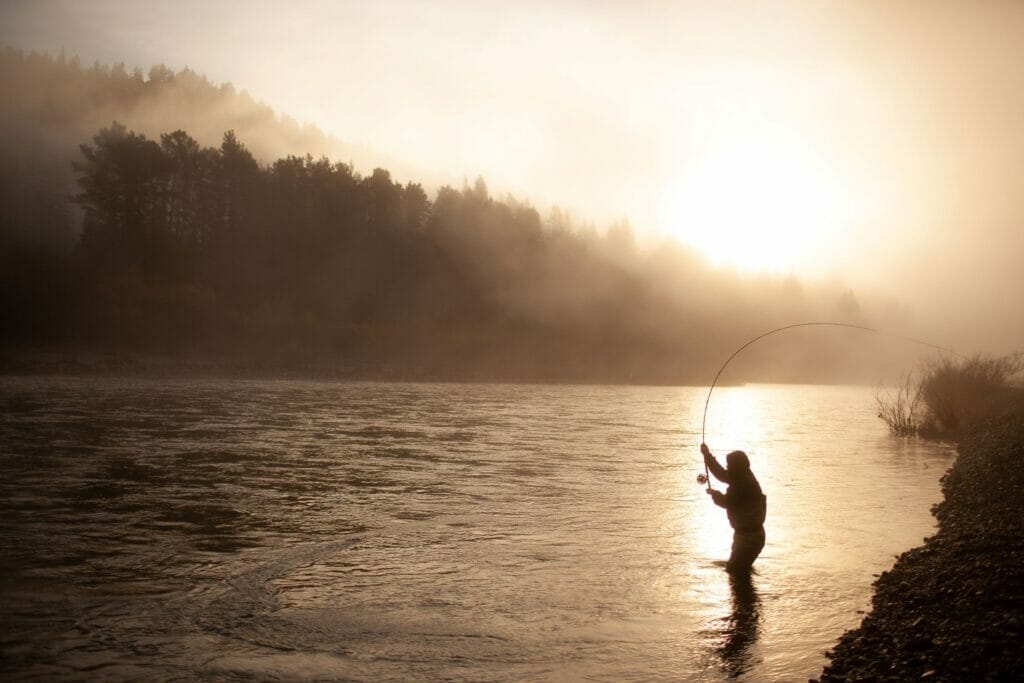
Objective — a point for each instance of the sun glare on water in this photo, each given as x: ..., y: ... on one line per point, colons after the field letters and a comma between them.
x: 759, y: 204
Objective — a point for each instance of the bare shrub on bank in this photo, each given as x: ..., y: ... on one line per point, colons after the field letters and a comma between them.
x: 950, y: 395
x: 957, y: 393
x: 901, y: 409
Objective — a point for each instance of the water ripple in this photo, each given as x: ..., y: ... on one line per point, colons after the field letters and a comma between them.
x: 274, y: 529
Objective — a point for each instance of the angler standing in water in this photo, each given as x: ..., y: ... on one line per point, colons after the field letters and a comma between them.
x: 745, y: 504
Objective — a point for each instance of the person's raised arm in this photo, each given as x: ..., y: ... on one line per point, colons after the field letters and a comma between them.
x: 709, y: 460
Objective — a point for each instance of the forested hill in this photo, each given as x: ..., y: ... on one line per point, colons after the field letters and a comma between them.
x: 53, y: 104
x: 196, y: 250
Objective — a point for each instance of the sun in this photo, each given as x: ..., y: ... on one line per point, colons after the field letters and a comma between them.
x: 759, y: 204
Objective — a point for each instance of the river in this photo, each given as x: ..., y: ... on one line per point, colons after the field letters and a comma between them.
x: 179, y: 529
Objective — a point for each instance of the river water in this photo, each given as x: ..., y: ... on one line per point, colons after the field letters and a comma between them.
x: 179, y: 529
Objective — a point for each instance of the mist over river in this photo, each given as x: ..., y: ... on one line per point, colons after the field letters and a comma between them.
x: 368, y: 531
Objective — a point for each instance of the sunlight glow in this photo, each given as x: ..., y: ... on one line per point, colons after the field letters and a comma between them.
x: 740, y: 415
x: 741, y: 418
x: 763, y: 202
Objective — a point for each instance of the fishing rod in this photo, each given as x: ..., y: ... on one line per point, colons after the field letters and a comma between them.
x: 864, y: 328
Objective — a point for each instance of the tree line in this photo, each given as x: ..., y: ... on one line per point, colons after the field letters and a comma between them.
x: 188, y: 247
x: 162, y: 244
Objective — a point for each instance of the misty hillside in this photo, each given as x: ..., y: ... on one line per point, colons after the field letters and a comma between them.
x: 52, y: 105
x: 189, y: 241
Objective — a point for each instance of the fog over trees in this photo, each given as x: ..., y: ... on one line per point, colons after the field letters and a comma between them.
x: 115, y: 239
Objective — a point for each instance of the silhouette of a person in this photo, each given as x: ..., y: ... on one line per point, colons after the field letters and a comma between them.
x: 745, y: 505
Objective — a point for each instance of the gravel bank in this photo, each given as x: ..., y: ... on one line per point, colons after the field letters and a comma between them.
x: 953, y: 609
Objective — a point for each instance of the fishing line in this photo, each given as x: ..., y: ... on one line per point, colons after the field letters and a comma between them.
x: 707, y: 401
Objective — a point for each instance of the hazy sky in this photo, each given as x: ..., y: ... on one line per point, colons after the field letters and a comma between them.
x: 879, y: 142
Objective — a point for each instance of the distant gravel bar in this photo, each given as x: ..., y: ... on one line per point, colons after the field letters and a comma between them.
x: 953, y: 609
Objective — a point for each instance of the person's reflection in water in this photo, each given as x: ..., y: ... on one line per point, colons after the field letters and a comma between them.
x: 743, y: 626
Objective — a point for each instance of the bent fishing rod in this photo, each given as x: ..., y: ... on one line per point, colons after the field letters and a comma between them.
x: 863, y: 328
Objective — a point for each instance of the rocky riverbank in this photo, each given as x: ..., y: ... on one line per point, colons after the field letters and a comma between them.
x: 953, y: 608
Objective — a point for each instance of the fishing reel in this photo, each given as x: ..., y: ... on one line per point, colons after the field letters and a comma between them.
x: 702, y: 479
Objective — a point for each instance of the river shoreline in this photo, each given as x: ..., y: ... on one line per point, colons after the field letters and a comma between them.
x: 952, y: 609
x: 20, y: 363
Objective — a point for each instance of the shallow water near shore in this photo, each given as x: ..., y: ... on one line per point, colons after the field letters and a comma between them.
x: 280, y: 529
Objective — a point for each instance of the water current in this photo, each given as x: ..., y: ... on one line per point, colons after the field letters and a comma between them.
x: 180, y: 529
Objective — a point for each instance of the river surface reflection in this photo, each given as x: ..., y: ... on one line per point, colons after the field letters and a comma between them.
x: 173, y: 528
